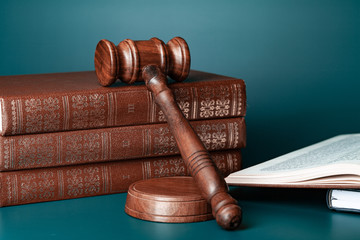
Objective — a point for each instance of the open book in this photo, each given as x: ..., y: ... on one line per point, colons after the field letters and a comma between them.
x: 333, y: 163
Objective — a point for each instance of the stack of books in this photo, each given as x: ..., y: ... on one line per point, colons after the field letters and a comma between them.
x: 64, y: 136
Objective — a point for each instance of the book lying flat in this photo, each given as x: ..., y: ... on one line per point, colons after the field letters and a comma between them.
x: 57, y: 102
x: 94, y: 179
x: 110, y: 144
x: 344, y: 200
x: 333, y: 163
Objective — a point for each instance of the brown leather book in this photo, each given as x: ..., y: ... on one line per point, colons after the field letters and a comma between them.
x: 49, y: 184
x: 107, y: 144
x: 72, y: 101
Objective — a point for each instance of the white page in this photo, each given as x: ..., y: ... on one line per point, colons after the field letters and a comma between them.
x: 342, y: 150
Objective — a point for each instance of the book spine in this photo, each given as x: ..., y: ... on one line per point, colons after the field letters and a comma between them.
x: 109, y: 144
x: 118, y: 107
x: 49, y: 184
x: 343, y: 200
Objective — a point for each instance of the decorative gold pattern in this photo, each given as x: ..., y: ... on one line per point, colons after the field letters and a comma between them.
x: 160, y: 168
x: 8, y: 153
x: 38, y: 151
x: 219, y: 136
x: 15, y: 116
x: 83, y: 148
x: 177, y: 167
x: 82, y: 181
x: 71, y: 112
x: 219, y: 161
x: 239, y: 99
x: 207, y: 108
x: 182, y: 98
x: 213, y: 136
x: 37, y: 186
x: 11, y: 187
x: 88, y: 111
x: 42, y: 115
x: 71, y: 182
x: 169, y: 167
x: 45, y: 150
x: 215, y: 102
x: 163, y: 142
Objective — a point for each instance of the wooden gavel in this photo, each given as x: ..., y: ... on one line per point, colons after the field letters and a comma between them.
x: 126, y: 61
x: 154, y: 63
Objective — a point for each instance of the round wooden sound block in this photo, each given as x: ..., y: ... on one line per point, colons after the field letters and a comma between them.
x: 170, y: 199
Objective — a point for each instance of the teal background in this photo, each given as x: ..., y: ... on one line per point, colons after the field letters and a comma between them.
x: 299, y: 58
x: 301, y: 63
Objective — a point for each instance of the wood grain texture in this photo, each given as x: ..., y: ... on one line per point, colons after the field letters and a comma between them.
x: 202, y: 168
x: 126, y: 60
x: 144, y: 56
x: 172, y: 199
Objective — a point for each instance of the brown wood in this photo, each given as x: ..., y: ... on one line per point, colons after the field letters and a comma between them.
x: 126, y: 60
x: 154, y: 60
x: 202, y: 168
x: 171, y: 199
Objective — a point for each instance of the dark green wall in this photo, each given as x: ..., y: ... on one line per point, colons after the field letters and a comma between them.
x: 300, y: 59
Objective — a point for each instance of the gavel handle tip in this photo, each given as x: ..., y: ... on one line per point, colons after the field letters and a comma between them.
x: 229, y: 217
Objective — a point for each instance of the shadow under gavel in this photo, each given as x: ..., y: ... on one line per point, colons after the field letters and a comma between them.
x: 149, y: 61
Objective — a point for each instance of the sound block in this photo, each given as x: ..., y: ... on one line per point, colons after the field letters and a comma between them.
x: 169, y: 199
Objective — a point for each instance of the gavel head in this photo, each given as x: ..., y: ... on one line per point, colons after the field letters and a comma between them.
x: 125, y: 61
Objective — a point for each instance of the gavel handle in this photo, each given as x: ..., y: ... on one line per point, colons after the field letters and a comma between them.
x: 202, y: 168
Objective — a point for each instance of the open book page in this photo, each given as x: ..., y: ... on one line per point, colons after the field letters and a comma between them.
x: 333, y: 157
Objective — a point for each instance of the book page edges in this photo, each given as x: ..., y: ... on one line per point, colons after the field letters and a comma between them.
x: 330, y: 174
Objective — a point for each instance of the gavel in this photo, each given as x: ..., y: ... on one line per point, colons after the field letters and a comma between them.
x: 149, y: 61
x: 126, y: 60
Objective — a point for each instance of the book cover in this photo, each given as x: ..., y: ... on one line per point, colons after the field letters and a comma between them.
x: 109, y: 144
x: 72, y: 101
x: 59, y: 183
x: 344, y: 200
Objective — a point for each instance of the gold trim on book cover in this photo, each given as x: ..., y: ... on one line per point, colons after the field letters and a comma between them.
x: 9, y: 150
x: 146, y: 142
x: 149, y: 107
x: 1, y: 114
x: 235, y: 99
x: 239, y: 99
x: 60, y: 175
x: 230, y: 162
x: 105, y: 177
x: 59, y: 149
x: 105, y: 145
x: 146, y: 166
x: 194, y: 103
x: 115, y: 109
x: 111, y: 112
x: 66, y: 107
x: 16, y: 116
